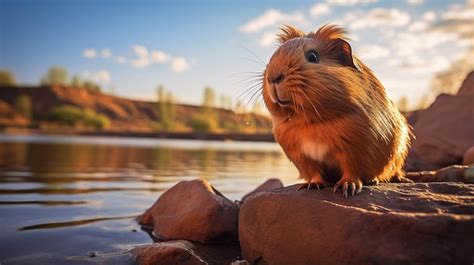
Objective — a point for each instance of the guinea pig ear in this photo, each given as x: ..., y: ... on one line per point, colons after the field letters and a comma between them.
x: 289, y: 32
x: 343, y: 53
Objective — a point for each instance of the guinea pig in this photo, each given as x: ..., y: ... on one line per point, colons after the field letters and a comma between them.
x: 331, y: 115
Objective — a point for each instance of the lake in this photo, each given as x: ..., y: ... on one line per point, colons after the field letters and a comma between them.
x: 63, y: 198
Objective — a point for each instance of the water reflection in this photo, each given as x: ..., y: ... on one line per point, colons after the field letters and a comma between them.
x: 89, y: 189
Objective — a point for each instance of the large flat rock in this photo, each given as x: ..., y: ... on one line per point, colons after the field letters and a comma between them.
x: 421, y: 223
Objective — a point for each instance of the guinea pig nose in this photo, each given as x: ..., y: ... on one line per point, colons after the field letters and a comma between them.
x: 278, y: 79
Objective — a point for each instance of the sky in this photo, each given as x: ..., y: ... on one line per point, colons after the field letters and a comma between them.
x: 130, y: 47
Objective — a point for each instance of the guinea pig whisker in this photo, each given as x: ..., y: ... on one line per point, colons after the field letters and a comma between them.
x: 250, y: 90
x: 304, y: 112
x: 253, y: 95
x: 253, y: 61
x: 314, y: 107
x: 259, y: 73
x: 256, y: 56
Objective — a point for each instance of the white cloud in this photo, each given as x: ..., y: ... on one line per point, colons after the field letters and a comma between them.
x: 459, y: 20
x: 271, y: 17
x: 140, y: 51
x: 106, y: 53
x: 267, y: 39
x: 372, y: 52
x: 319, y: 9
x: 378, y: 17
x: 429, y: 16
x: 179, y: 64
x: 415, y: 2
x: 102, y: 76
x: 140, y: 62
x: 142, y: 57
x: 89, y: 53
x: 120, y: 59
x: 159, y: 57
x: 350, y: 2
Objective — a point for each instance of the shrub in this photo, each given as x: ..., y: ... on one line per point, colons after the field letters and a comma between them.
x: 23, y: 105
x: 7, y: 78
x: 72, y: 116
x: 201, y: 123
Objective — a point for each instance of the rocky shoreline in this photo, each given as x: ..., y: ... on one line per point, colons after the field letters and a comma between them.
x: 415, y: 223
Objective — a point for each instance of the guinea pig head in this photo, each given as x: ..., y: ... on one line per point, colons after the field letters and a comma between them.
x: 309, y: 74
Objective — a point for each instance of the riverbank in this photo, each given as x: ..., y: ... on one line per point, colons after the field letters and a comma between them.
x: 257, y: 137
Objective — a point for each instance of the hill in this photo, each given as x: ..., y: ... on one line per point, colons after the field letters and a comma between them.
x: 123, y: 114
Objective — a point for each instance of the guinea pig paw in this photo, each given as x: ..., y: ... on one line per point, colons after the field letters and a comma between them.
x: 311, y: 186
x: 353, y: 187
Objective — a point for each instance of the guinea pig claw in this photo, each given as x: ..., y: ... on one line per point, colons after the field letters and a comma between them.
x: 353, y: 188
x: 310, y: 186
x: 313, y: 185
x: 345, y: 189
x: 302, y: 186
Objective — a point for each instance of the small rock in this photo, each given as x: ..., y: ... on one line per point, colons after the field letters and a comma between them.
x: 286, y: 226
x: 468, y: 157
x: 270, y: 184
x: 193, y: 210
x: 185, y: 252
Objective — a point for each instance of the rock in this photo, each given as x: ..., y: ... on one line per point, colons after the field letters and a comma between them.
x: 407, y: 223
x: 269, y: 184
x: 193, y: 210
x: 444, y: 131
x: 454, y: 173
x: 185, y: 252
x: 467, y: 86
x: 468, y: 157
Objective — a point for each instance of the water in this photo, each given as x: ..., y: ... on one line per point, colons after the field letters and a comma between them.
x: 63, y: 198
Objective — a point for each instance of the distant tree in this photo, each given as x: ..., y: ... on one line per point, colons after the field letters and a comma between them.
x: 402, y: 104
x: 7, y: 78
x: 24, y: 106
x: 166, y: 108
x: 238, y: 106
x: 257, y: 107
x: 55, y: 76
x: 423, y: 102
x: 91, y: 86
x: 76, y: 81
x: 209, y: 98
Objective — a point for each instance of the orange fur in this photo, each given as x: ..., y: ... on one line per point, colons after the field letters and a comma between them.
x: 336, y: 123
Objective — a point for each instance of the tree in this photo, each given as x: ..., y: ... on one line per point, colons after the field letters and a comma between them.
x: 91, y: 86
x: 166, y: 108
x: 76, y: 81
x: 55, y: 76
x: 402, y: 104
x: 209, y: 98
x: 7, y: 78
x: 23, y: 105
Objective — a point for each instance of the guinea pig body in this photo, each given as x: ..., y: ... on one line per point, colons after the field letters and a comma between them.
x: 331, y: 115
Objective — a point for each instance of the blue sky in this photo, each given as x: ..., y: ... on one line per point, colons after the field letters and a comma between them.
x: 132, y: 46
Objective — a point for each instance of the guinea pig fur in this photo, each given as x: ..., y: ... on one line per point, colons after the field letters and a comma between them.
x: 331, y: 115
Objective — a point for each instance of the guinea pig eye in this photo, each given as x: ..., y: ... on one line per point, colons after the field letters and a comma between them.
x: 312, y: 56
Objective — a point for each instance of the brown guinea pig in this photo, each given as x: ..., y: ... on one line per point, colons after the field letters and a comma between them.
x: 330, y: 114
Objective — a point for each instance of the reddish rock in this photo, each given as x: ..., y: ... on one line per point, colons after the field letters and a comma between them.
x: 193, y: 210
x: 468, y: 157
x: 467, y: 86
x: 409, y: 223
x: 455, y: 173
x: 270, y: 184
x: 185, y: 252
x: 444, y: 131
